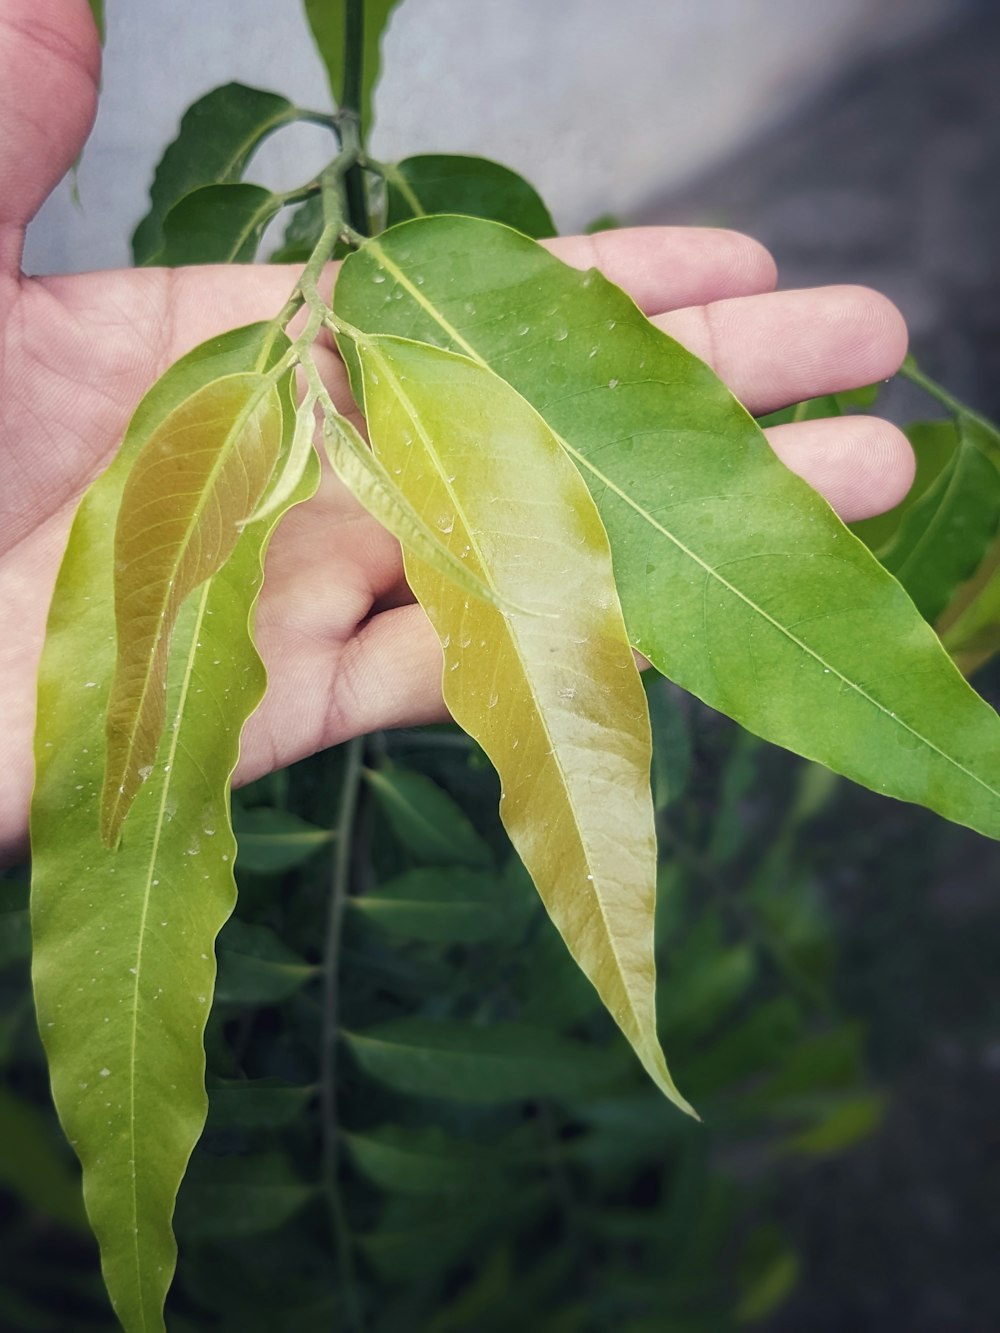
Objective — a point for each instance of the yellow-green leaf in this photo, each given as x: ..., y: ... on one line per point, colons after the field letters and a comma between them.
x: 553, y: 697
x: 123, y: 964
x: 199, y: 475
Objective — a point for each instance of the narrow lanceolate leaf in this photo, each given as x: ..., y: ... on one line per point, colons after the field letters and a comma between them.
x: 945, y: 532
x: 474, y: 186
x: 217, y: 224
x: 327, y: 20
x: 124, y: 965
x: 736, y: 579
x: 554, y: 697
x: 217, y: 136
x: 198, y: 475
x: 502, y: 1062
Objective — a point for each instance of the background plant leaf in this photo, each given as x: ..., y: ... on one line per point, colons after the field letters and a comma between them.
x: 425, y: 819
x: 217, y: 224
x: 736, y: 579
x: 554, y: 698
x: 502, y: 1062
x: 326, y: 22
x: 197, y: 476
x: 217, y: 135
x: 474, y: 186
x: 944, y: 532
x: 271, y: 841
x: 123, y: 966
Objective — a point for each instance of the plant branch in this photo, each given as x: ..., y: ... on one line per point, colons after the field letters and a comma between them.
x: 350, y: 113
x: 329, y: 1037
x: 912, y: 372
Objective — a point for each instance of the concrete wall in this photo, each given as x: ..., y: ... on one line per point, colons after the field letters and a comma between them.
x: 602, y: 103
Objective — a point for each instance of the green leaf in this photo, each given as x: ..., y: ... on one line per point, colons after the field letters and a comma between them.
x: 198, y: 474
x: 97, y: 9
x: 446, y: 905
x: 474, y: 186
x: 943, y: 536
x: 554, y: 698
x: 272, y: 841
x: 848, y: 1121
x: 255, y: 967
x: 422, y: 1161
x: 217, y: 135
x: 217, y: 224
x: 934, y: 445
x: 425, y: 819
x: 261, y: 1103
x: 970, y: 629
x: 327, y: 20
x: 769, y: 1271
x: 736, y: 579
x: 502, y: 1062
x: 240, y: 1196
x: 124, y: 966
x: 671, y: 740
x: 33, y: 1167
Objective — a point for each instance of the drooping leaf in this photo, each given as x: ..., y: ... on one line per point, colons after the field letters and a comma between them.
x: 271, y: 841
x: 443, y: 905
x: 426, y: 820
x: 944, y: 534
x: 198, y: 474
x: 972, y: 634
x: 327, y: 20
x: 257, y: 967
x: 217, y: 224
x: 553, y: 698
x: 474, y: 186
x: 217, y: 135
x: 769, y: 1271
x: 123, y: 964
x: 502, y: 1062
x: 736, y: 579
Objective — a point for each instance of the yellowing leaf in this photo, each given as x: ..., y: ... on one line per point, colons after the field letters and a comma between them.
x: 200, y: 473
x: 124, y: 963
x: 553, y: 697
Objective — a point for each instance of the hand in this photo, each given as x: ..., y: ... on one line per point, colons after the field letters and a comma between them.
x: 346, y: 648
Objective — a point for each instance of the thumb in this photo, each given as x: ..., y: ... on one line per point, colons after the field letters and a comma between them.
x: 50, y: 62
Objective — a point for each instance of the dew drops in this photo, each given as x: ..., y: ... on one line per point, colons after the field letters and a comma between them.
x: 493, y: 700
x: 561, y: 335
x: 378, y: 278
x: 104, y: 1073
x: 611, y: 324
x: 612, y: 384
x: 567, y: 692
x: 446, y: 523
x: 592, y: 352
x: 90, y: 684
x: 523, y: 330
x: 470, y: 309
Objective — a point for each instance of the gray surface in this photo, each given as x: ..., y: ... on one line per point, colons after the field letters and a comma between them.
x: 601, y: 105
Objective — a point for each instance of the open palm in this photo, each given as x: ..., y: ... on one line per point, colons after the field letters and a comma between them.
x: 346, y: 649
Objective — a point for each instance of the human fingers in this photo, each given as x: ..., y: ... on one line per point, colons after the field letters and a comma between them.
x: 860, y: 465
x: 49, y: 68
x: 662, y: 268
x: 782, y: 347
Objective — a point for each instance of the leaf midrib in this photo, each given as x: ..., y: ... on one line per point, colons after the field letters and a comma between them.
x: 169, y: 768
x: 162, y: 629
x: 376, y: 249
